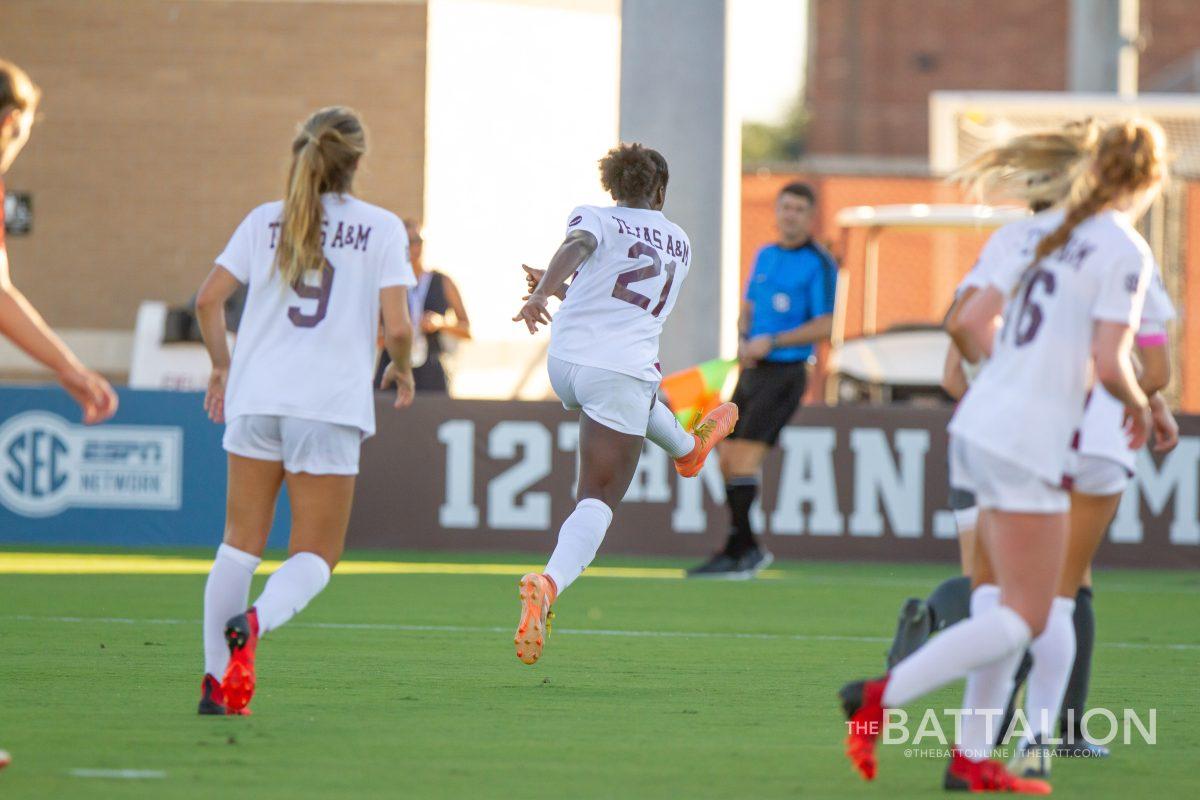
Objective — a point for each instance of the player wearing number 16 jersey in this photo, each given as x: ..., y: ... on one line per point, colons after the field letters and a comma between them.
x: 629, y: 262
x: 321, y: 266
x: 1071, y: 311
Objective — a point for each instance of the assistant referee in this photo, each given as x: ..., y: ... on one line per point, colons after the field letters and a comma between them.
x: 787, y: 309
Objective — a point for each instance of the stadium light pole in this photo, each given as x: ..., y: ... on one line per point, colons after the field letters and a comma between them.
x: 674, y: 98
x: 1104, y: 40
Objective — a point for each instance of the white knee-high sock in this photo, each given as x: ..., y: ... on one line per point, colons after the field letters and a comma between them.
x: 666, y: 432
x: 954, y: 652
x: 225, y: 595
x: 294, y: 584
x: 1053, y: 654
x: 578, y: 540
x: 985, y: 696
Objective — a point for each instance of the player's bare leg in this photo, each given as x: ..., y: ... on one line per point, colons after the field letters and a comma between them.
x: 608, y: 460
x: 1054, y: 653
x: 320, y: 515
x: 253, y: 488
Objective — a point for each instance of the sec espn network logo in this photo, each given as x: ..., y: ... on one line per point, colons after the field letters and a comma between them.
x: 48, y: 465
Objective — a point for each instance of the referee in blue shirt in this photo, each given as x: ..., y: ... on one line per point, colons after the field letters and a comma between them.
x: 787, y: 309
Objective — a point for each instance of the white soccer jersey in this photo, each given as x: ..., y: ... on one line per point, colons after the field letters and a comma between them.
x: 1005, y: 244
x: 1101, y: 433
x: 623, y: 293
x: 1001, y: 247
x: 310, y: 352
x: 1027, y: 404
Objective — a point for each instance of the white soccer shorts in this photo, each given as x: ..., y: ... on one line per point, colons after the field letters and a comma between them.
x: 1097, y: 475
x: 1001, y: 484
x: 615, y: 400
x: 303, y: 445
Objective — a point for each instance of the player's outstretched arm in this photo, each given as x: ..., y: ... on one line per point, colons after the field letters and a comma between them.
x: 21, y: 323
x: 575, y: 249
x: 397, y: 339
x: 217, y: 288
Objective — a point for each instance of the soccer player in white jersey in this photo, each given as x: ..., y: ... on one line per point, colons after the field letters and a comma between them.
x: 1037, y: 169
x: 1072, y: 310
x: 629, y: 262
x: 296, y: 398
x: 1097, y: 475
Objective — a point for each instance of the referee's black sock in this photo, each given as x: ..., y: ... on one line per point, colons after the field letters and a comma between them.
x: 739, y: 494
x: 1075, y: 700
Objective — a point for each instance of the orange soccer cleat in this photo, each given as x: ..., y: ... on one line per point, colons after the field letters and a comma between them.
x: 863, y: 703
x: 537, y: 594
x: 716, y: 425
x: 988, y: 776
x: 241, y: 633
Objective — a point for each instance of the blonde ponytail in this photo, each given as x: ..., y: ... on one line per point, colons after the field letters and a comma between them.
x: 1129, y: 157
x: 325, y: 155
x: 1038, y: 168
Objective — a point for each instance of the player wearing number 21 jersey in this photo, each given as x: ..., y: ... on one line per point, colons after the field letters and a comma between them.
x: 629, y: 262
x: 614, y: 312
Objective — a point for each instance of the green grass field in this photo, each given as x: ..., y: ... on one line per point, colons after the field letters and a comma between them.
x: 407, y: 686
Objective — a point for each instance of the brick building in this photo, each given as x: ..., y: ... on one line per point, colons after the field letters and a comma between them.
x: 171, y: 120
x: 873, y: 63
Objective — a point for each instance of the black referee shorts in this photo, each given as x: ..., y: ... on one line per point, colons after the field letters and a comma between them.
x: 767, y: 396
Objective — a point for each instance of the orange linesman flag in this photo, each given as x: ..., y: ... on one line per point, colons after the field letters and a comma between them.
x: 693, y: 392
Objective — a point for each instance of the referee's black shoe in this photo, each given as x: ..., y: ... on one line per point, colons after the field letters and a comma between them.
x: 741, y: 567
x: 753, y: 562
x: 720, y: 565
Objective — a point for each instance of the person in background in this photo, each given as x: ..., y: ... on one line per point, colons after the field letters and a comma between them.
x: 787, y: 309
x: 20, y: 322
x: 434, y: 295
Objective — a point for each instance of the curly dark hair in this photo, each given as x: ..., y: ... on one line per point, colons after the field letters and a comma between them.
x: 633, y: 172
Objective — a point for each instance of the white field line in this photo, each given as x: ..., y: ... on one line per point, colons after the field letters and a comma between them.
x: 400, y: 628
x: 125, y: 774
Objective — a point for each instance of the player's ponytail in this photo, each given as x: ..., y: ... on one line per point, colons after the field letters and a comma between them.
x: 325, y: 155
x: 1039, y: 168
x: 1130, y: 157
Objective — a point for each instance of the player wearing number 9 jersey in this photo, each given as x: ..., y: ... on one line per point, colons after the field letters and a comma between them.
x: 321, y: 266
x: 629, y: 262
x: 1072, y: 309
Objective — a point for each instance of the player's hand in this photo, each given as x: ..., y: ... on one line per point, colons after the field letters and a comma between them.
x: 534, y: 313
x: 1137, y: 425
x: 1166, y: 429
x: 403, y: 381
x: 214, y: 397
x: 533, y: 276
x: 91, y: 391
x: 751, y: 351
x: 432, y: 323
